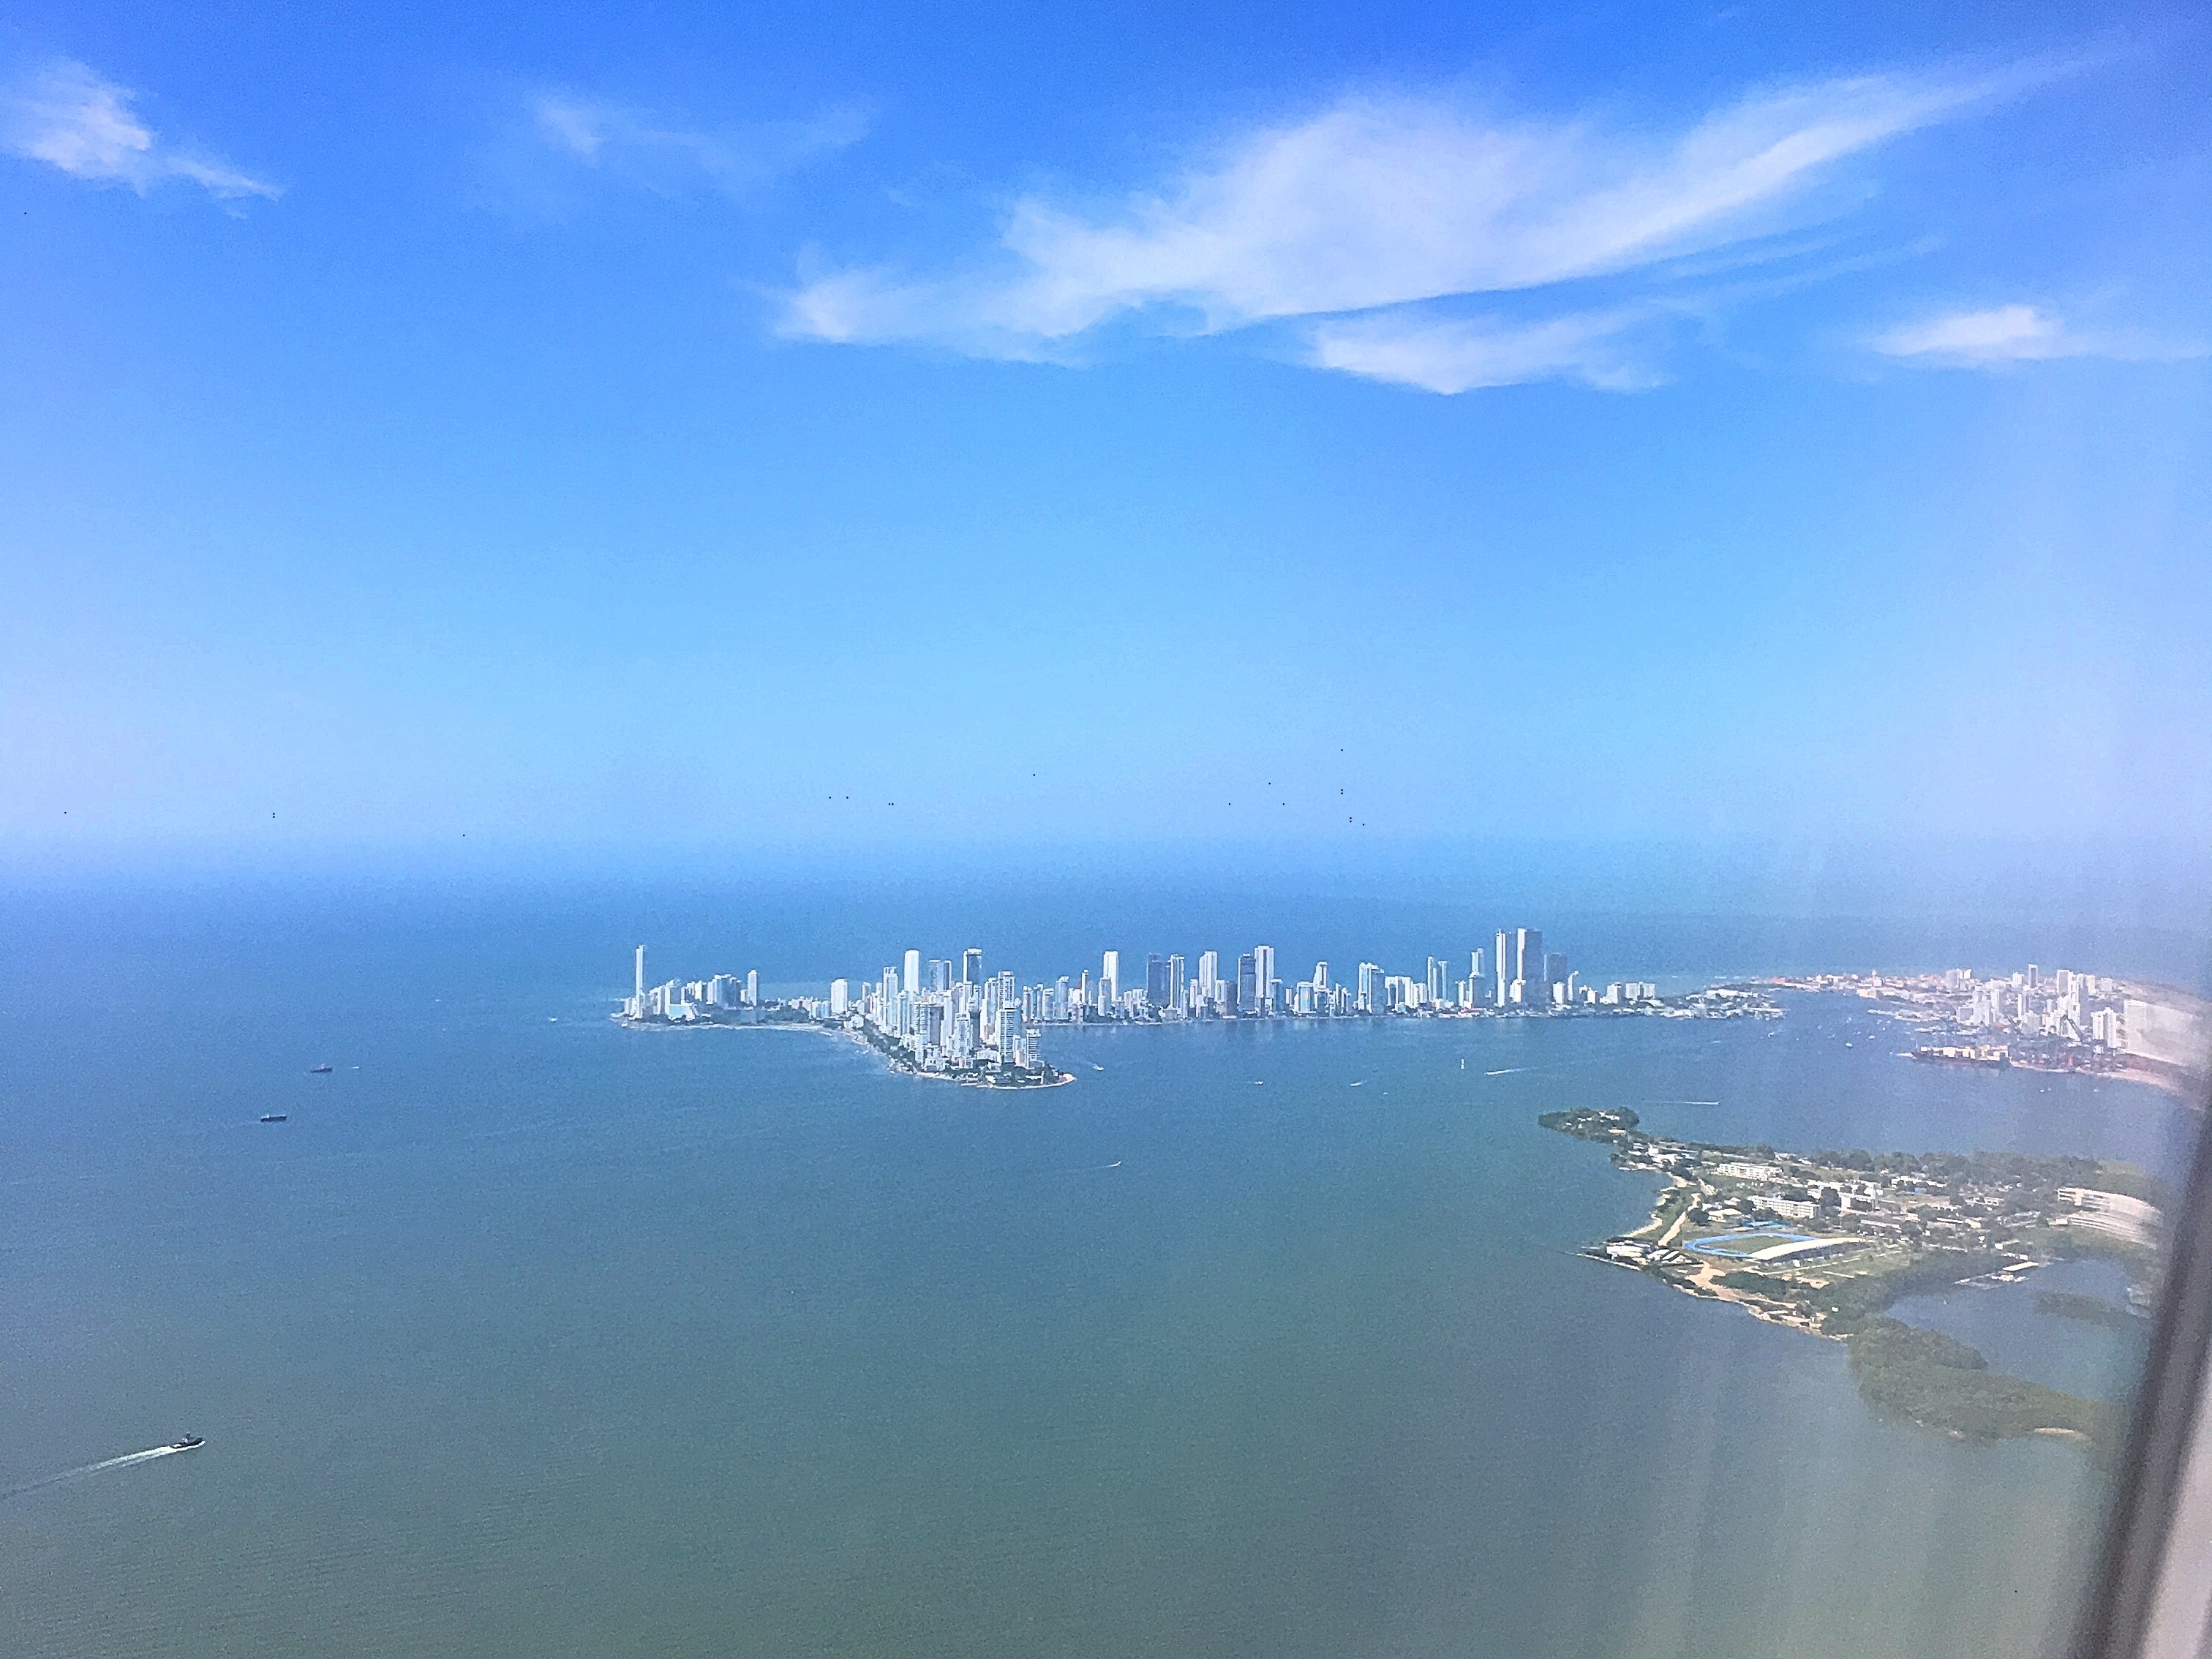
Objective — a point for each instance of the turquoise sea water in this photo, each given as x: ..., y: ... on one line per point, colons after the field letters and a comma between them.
x: 528, y: 1335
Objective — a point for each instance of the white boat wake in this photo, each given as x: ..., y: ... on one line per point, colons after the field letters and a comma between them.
x: 146, y: 1456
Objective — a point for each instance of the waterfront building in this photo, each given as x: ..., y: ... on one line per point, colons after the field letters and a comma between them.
x: 1369, y: 978
x: 971, y: 966
x: 1109, y: 980
x: 910, y: 979
x: 1209, y: 975
x: 1175, y: 987
x: 841, y: 998
x: 641, y: 977
x: 1502, y: 958
x: 1156, y: 980
x: 1439, y: 971
x: 1529, y: 955
x: 1263, y: 978
x: 1247, y: 990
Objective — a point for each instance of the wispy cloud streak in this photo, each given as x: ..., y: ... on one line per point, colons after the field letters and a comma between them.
x: 623, y: 141
x: 1455, y: 354
x: 2009, y: 334
x: 1385, y: 202
x: 71, y: 118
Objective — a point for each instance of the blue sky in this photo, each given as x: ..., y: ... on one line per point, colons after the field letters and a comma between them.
x: 593, y: 433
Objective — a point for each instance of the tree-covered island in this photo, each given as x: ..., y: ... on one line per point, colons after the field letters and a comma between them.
x: 1825, y: 1242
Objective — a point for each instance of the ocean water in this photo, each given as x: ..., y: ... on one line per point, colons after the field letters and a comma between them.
x: 529, y: 1335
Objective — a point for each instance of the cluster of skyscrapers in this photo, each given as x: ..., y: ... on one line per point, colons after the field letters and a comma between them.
x: 693, y: 999
x: 925, y: 1005
x: 939, y: 1022
x: 2073, y: 1007
x: 944, y: 1015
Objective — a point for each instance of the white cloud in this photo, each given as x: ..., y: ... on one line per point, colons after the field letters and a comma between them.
x: 1466, y: 354
x: 2015, y: 334
x: 73, y: 119
x: 628, y: 144
x: 1382, y: 202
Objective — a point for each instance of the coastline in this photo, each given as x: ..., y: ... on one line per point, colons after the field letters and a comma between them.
x: 972, y: 1080
x: 1883, y: 1228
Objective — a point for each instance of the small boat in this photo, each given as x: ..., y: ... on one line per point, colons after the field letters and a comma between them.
x: 318, y: 1071
x: 186, y: 1443
x: 274, y: 1117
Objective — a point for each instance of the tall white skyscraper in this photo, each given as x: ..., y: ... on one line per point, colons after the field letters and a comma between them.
x: 1263, y: 972
x: 1209, y: 974
x: 752, y: 987
x: 910, y: 980
x: 971, y: 966
x: 1110, y: 978
x: 1528, y: 963
x: 640, y: 976
x: 841, y: 998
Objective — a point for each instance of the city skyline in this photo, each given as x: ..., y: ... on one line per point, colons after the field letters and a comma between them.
x: 1170, y: 991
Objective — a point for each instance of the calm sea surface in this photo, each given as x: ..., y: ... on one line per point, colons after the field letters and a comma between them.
x: 527, y: 1335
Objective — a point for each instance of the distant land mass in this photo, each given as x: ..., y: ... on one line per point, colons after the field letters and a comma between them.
x: 1826, y: 1242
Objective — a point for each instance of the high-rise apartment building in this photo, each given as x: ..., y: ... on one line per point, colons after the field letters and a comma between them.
x: 1109, y: 980
x: 1209, y: 975
x: 640, y: 976
x: 1156, y: 979
x: 752, y: 987
x: 1247, y: 990
x: 1175, y: 983
x: 1502, y: 955
x: 971, y: 967
x: 1371, y: 989
x: 1263, y: 977
x: 910, y: 980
